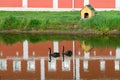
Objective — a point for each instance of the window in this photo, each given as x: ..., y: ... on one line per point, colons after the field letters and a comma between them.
x: 52, y: 65
x: 117, y: 65
x: 31, y: 65
x: 3, y: 64
x: 102, y: 65
x: 66, y: 65
x: 16, y: 65
x: 85, y: 65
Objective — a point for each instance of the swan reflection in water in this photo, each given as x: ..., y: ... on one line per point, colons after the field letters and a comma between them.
x: 57, y: 54
x: 54, y: 54
x: 66, y: 53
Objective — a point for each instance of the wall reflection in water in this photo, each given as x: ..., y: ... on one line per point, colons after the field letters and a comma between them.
x: 33, y: 61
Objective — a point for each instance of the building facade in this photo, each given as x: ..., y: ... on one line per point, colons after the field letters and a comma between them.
x: 57, y: 5
x: 25, y: 60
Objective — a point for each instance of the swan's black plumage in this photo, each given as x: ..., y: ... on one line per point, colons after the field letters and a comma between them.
x: 54, y: 54
x: 66, y: 53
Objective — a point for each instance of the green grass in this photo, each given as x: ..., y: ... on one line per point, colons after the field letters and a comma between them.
x: 69, y: 20
x: 94, y: 41
x: 103, y: 21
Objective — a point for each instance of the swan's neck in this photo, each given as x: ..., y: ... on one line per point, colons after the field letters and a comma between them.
x: 63, y: 50
x: 50, y: 50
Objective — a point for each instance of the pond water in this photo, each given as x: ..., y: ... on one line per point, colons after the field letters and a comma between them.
x: 28, y: 57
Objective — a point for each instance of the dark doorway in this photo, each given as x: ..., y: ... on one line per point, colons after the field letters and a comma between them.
x: 86, y: 15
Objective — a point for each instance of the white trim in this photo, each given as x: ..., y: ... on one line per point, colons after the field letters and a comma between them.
x: 86, y: 55
x: 3, y: 64
x: 16, y: 65
x: 86, y: 2
x: 52, y: 9
x: 24, y: 3
x: 25, y: 49
x: 73, y: 4
x: 17, y: 54
x: 55, y: 46
x: 94, y: 53
x: 55, y: 4
x: 117, y: 65
x: 117, y: 53
x: 77, y: 69
x: 106, y: 9
x: 42, y: 63
x: 66, y: 64
x: 79, y: 53
x: 85, y: 65
x: 1, y: 54
x: 52, y: 65
x: 110, y: 53
x: 102, y: 65
x: 31, y: 65
x: 117, y: 3
x: 73, y: 43
x: 80, y: 57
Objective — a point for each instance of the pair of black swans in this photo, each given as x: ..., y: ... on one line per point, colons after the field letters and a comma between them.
x: 57, y: 54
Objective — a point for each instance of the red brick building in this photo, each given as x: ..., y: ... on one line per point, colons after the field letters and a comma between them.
x: 30, y: 61
x: 58, y: 5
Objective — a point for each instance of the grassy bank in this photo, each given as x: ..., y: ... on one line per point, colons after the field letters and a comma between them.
x: 103, y: 21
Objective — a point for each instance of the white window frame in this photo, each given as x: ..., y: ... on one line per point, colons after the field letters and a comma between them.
x: 102, y: 65
x: 3, y: 64
x: 85, y: 65
x: 66, y: 65
x: 117, y: 65
x: 31, y: 65
x: 52, y: 65
x: 16, y: 65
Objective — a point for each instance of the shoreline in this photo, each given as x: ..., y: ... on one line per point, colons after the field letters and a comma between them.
x: 71, y: 32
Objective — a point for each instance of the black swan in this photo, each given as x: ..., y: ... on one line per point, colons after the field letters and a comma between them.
x: 55, y: 54
x: 66, y: 53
